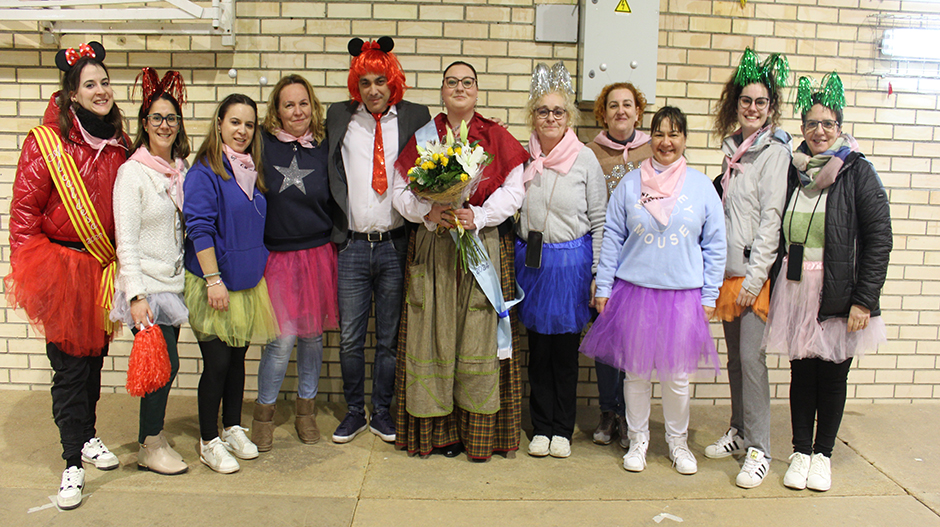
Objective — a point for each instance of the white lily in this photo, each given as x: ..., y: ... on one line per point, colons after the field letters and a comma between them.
x: 464, y: 132
x: 470, y: 159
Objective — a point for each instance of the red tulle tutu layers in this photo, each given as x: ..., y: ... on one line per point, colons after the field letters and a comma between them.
x: 302, y: 286
x: 57, y: 287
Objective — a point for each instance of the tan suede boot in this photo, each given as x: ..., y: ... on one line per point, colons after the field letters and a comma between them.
x: 156, y: 455
x: 306, y: 421
x: 262, y: 426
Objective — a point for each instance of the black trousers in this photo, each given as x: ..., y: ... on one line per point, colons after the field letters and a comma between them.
x: 153, y: 405
x: 222, y: 382
x: 76, y: 388
x: 817, y: 396
x: 553, y: 382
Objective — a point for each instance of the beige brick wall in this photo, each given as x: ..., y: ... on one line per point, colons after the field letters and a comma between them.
x: 699, y: 44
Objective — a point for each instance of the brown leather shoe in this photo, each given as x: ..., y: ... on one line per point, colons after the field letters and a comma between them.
x: 306, y: 421
x: 262, y: 426
x: 156, y: 455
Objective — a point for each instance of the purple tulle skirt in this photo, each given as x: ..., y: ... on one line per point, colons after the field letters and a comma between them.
x: 558, y: 293
x: 644, y: 329
x: 793, y: 329
x: 302, y: 286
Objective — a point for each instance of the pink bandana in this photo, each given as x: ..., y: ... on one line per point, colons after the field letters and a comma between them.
x: 175, y: 174
x: 733, y: 160
x: 639, y: 139
x: 244, y: 169
x: 560, y: 159
x: 305, y: 140
x: 658, y: 189
x: 96, y: 143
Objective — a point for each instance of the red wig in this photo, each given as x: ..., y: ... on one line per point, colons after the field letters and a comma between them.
x: 375, y: 57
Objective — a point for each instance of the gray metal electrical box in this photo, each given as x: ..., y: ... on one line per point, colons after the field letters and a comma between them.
x: 619, y: 43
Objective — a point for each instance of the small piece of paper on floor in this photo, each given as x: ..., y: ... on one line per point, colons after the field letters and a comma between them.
x: 666, y: 516
x: 49, y: 505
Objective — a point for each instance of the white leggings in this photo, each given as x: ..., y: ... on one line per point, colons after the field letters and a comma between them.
x: 637, y: 392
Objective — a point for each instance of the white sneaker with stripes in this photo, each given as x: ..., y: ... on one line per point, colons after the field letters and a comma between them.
x: 756, y: 466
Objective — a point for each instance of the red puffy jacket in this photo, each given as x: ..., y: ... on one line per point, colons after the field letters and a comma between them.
x: 37, y: 208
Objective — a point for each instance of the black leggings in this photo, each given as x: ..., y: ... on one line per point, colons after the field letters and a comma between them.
x: 553, y: 382
x: 222, y: 381
x: 817, y: 395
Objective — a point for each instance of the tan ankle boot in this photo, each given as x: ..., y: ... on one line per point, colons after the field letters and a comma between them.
x: 173, y: 453
x: 156, y: 455
x: 306, y: 421
x: 262, y: 426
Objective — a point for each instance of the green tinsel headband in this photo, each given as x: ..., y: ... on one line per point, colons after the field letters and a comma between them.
x: 830, y: 93
x: 773, y: 72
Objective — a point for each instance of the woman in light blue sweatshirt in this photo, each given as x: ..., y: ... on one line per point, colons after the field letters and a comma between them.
x: 662, y: 263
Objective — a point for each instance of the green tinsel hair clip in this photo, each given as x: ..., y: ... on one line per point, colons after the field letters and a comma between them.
x: 830, y: 93
x: 775, y: 70
x: 748, y: 69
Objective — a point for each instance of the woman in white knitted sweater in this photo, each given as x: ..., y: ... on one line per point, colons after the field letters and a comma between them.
x: 148, y: 199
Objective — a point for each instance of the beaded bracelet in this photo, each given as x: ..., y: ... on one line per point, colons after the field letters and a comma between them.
x: 217, y: 282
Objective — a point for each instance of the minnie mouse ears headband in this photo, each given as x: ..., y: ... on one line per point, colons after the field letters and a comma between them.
x: 773, y: 72
x: 829, y: 93
x: 548, y: 81
x: 151, y: 86
x: 66, y: 58
x: 356, y: 46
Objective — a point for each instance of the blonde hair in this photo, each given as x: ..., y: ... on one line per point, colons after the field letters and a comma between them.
x: 272, y: 121
x: 210, y: 151
x: 574, y: 115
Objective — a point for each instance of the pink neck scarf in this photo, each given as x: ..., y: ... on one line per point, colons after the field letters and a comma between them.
x: 96, y: 143
x: 175, y: 174
x: 738, y: 154
x: 639, y: 139
x: 560, y: 159
x: 244, y: 169
x: 658, y: 189
x: 305, y: 140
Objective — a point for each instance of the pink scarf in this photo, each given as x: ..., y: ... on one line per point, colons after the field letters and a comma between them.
x: 733, y: 160
x: 639, y: 139
x: 96, y: 143
x: 244, y: 169
x: 305, y: 140
x: 657, y: 190
x: 175, y: 174
x: 560, y: 159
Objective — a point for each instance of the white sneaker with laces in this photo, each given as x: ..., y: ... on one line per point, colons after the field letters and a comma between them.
x: 796, y: 475
x: 560, y: 447
x: 70, y: 491
x: 540, y: 446
x: 237, y: 442
x: 820, y: 473
x: 756, y: 466
x: 725, y: 445
x: 95, y: 452
x: 682, y: 458
x: 635, y: 458
x: 216, y: 456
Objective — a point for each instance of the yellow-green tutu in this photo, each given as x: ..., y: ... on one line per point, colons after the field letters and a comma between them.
x: 250, y: 316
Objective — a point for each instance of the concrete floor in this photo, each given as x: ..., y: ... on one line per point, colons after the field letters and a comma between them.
x: 885, y: 473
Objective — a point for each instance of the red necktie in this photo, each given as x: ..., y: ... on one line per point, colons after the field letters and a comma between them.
x: 379, y: 180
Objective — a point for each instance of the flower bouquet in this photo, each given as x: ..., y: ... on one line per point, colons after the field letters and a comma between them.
x: 447, y: 174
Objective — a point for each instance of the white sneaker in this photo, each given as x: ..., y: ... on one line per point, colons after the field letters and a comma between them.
x: 635, y: 458
x: 70, y: 492
x: 682, y: 458
x: 216, y: 456
x: 237, y: 442
x: 540, y: 446
x: 95, y: 452
x: 820, y: 473
x: 725, y: 445
x: 755, y: 468
x: 560, y: 447
x: 796, y: 475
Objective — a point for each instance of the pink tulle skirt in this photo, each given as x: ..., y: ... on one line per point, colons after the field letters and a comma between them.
x: 645, y: 329
x: 302, y: 286
x: 792, y: 328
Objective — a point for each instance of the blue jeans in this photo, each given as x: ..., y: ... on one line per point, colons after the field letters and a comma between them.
x: 609, y: 388
x: 368, y: 269
x: 274, y: 363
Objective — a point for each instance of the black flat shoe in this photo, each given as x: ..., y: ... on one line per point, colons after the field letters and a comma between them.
x: 452, y: 450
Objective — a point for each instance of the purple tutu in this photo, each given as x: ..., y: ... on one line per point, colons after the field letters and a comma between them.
x: 302, y: 286
x: 644, y: 329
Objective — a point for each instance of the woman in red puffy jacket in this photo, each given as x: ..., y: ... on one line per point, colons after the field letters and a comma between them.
x: 61, y: 272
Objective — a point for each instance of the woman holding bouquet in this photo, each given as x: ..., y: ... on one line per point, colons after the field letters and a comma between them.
x: 458, y: 385
x: 560, y: 233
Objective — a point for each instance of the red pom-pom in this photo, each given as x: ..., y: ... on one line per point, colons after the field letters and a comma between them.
x: 149, y: 367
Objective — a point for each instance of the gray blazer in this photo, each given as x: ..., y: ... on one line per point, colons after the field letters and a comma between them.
x: 411, y: 117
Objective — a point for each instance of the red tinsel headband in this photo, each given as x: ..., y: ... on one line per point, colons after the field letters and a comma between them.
x: 151, y: 86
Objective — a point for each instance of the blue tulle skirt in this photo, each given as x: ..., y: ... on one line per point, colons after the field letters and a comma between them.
x: 557, y: 294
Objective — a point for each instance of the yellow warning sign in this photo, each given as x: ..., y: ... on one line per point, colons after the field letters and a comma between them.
x: 623, y: 7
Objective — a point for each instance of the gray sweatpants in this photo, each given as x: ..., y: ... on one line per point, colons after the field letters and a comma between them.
x: 747, y: 375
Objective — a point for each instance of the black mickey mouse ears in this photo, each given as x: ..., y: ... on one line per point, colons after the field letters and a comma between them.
x: 356, y: 46
x: 68, y: 57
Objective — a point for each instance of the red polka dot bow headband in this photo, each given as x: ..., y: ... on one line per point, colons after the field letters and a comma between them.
x: 66, y: 58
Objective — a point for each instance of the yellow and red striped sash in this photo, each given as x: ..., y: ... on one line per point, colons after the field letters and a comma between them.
x: 81, y: 211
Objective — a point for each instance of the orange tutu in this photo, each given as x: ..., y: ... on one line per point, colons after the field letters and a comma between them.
x: 727, y: 310
x: 57, y: 287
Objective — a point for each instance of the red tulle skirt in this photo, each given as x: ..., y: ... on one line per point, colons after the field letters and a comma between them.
x: 302, y: 286
x: 57, y: 287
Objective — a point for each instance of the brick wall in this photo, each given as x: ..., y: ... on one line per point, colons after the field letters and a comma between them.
x: 700, y: 43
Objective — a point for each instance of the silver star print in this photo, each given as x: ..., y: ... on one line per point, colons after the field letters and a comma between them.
x: 293, y: 176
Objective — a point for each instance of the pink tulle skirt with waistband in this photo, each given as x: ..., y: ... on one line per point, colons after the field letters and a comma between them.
x: 302, y: 286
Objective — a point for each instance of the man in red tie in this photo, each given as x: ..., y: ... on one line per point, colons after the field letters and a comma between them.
x: 365, y: 136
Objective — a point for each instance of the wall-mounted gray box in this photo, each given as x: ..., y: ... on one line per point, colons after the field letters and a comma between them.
x: 556, y: 23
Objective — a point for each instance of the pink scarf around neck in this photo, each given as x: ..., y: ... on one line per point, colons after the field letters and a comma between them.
x: 658, y: 189
x: 560, y: 159
x: 175, y: 174
x: 305, y: 140
x: 639, y: 139
x: 244, y: 169
x: 733, y: 160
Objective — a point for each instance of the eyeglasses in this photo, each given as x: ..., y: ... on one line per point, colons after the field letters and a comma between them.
x: 466, y: 82
x: 827, y: 124
x: 745, y: 102
x: 156, y: 120
x: 544, y: 112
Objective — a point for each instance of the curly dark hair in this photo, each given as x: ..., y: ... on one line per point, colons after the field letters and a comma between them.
x: 726, y: 113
